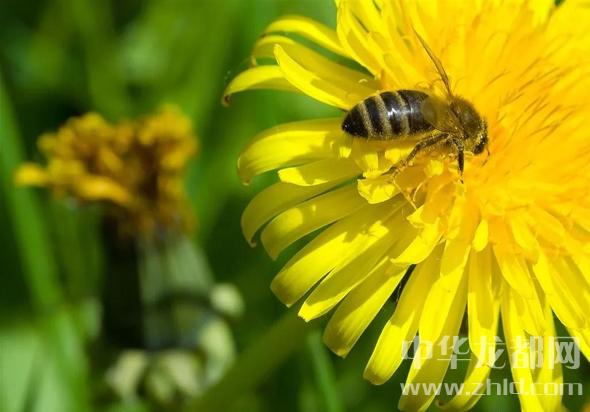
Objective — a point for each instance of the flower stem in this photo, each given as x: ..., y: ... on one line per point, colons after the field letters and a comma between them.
x: 324, y: 373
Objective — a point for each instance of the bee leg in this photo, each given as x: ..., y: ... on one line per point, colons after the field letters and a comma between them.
x: 487, y: 155
x: 430, y: 141
x: 458, y: 143
x: 421, y: 145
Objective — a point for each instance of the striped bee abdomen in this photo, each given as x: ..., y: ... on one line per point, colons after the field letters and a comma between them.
x: 388, y: 115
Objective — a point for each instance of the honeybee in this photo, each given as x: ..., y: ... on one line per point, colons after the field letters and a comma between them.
x: 410, y: 114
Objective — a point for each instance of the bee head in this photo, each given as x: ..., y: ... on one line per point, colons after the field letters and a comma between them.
x: 481, y: 139
x: 472, y: 125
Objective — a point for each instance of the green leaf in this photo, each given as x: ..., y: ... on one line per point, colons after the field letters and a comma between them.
x: 58, y: 336
x: 27, y: 219
x: 42, y: 366
x: 19, y: 350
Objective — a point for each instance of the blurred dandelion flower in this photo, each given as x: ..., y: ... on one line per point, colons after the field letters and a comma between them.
x: 512, y: 239
x: 137, y: 168
x: 159, y: 300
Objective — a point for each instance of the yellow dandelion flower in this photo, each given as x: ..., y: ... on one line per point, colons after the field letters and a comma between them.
x: 511, y: 237
x: 137, y: 168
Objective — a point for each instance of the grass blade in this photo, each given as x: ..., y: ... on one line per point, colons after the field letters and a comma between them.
x: 27, y: 219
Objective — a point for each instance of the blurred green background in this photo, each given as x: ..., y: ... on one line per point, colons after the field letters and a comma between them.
x: 62, y: 58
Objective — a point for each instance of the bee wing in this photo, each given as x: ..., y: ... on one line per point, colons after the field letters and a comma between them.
x: 437, y: 113
x: 437, y: 63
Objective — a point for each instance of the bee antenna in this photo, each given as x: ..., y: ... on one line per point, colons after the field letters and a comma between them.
x: 437, y: 63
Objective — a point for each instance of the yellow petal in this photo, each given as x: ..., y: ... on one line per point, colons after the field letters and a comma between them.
x: 314, y: 62
x: 31, y: 174
x: 308, y: 216
x: 463, y: 220
x: 369, y: 161
x: 329, y: 88
x: 431, y: 366
x: 582, y: 261
x: 515, y: 271
x: 335, y: 246
x: 572, y: 283
x: 377, y: 190
x: 308, y: 28
x: 421, y: 246
x: 274, y: 200
x: 542, y: 9
x: 480, y: 239
x: 177, y: 158
x: 288, y: 144
x: 582, y: 217
x: 261, y: 77
x: 354, y: 38
x: 561, y: 18
x: 443, y: 293
x: 438, y: 201
x: 480, y: 298
x: 400, y: 58
x: 102, y: 188
x: 319, y: 172
x: 523, y: 236
x: 403, y: 324
x: 367, y: 14
x: 567, y: 310
x: 265, y: 46
x: 531, y: 313
x: 550, y: 373
x: 479, y: 369
x: 546, y: 225
x: 345, y: 277
x: 519, y: 353
x: 361, y: 306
